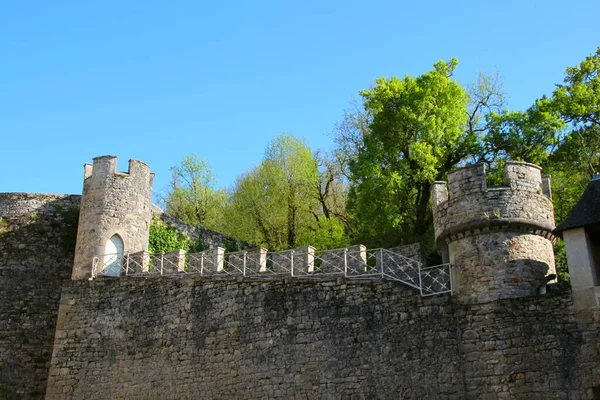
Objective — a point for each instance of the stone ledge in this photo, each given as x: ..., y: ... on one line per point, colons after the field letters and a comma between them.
x: 483, y: 225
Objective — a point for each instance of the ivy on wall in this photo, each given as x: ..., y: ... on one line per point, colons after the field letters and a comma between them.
x: 164, y: 238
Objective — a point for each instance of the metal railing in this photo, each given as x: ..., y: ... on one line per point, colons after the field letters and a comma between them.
x: 306, y: 263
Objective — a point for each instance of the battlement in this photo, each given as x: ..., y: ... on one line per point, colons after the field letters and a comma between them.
x: 105, y: 167
x: 516, y: 176
x: 465, y: 205
x: 498, y: 239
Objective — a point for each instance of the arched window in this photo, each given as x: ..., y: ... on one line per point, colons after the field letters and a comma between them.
x: 113, y: 256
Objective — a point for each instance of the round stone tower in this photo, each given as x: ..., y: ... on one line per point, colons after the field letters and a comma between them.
x: 499, y: 240
x: 115, y: 213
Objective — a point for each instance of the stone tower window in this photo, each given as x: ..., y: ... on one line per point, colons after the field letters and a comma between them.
x: 113, y: 256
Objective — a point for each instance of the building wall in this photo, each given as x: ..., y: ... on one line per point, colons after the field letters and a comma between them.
x: 175, y: 339
x: 37, y: 239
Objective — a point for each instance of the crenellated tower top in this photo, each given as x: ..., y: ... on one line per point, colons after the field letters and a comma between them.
x: 465, y: 205
x: 104, y: 169
x: 483, y: 230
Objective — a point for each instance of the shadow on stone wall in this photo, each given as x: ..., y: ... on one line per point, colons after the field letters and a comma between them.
x: 37, y: 240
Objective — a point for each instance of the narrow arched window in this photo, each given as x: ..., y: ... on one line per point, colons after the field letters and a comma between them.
x: 113, y: 256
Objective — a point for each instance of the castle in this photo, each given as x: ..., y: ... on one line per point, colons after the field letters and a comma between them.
x: 307, y: 323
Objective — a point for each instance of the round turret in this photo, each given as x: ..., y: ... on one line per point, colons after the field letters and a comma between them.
x: 115, y: 213
x: 499, y: 240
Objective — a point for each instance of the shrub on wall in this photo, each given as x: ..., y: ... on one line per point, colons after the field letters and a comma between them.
x: 165, y: 238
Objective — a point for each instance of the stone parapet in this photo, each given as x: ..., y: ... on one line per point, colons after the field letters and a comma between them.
x: 499, y: 239
x: 472, y: 208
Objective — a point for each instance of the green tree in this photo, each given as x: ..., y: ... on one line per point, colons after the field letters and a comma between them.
x: 192, y: 196
x: 577, y: 156
x: 285, y: 202
x: 528, y: 135
x: 272, y: 202
x: 577, y: 100
x: 416, y: 135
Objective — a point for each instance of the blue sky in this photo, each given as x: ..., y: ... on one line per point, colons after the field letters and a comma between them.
x: 158, y: 80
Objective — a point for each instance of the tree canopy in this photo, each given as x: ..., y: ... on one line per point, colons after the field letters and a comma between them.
x: 403, y: 134
x: 415, y: 136
x: 192, y: 196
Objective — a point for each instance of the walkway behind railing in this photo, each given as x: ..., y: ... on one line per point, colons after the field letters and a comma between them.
x: 355, y: 262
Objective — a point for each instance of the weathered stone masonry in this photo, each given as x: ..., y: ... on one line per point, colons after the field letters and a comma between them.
x: 113, y: 203
x: 499, y: 240
x: 121, y: 338
x: 185, y: 339
x: 37, y: 239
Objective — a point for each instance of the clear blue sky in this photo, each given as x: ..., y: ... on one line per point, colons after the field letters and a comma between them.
x: 156, y: 80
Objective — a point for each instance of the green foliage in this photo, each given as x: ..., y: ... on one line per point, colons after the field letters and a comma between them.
x: 328, y: 233
x: 560, y: 257
x: 523, y: 135
x: 4, y: 226
x: 416, y: 136
x: 197, y: 246
x: 230, y: 245
x: 280, y: 204
x: 577, y: 100
x: 192, y: 196
x: 273, y: 200
x: 165, y: 238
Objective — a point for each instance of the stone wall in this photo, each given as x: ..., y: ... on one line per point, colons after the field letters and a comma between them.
x: 113, y: 203
x: 177, y: 339
x: 37, y: 239
x: 499, y: 265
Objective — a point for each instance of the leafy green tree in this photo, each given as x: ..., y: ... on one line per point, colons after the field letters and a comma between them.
x: 192, y: 196
x: 577, y: 156
x: 523, y: 135
x: 272, y: 203
x: 416, y: 135
x: 485, y: 97
x: 285, y: 202
x: 577, y: 100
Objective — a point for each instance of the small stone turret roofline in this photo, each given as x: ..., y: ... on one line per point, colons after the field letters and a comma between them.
x: 104, y: 167
x: 465, y: 206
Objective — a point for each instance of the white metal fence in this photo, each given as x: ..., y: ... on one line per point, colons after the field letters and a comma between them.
x: 355, y: 262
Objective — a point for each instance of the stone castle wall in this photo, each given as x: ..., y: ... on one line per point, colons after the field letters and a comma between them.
x: 112, y: 203
x: 499, y: 265
x: 498, y: 239
x: 37, y: 243
x: 37, y: 240
x: 184, y: 339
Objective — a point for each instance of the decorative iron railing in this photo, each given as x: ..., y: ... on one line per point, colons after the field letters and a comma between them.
x: 355, y: 262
